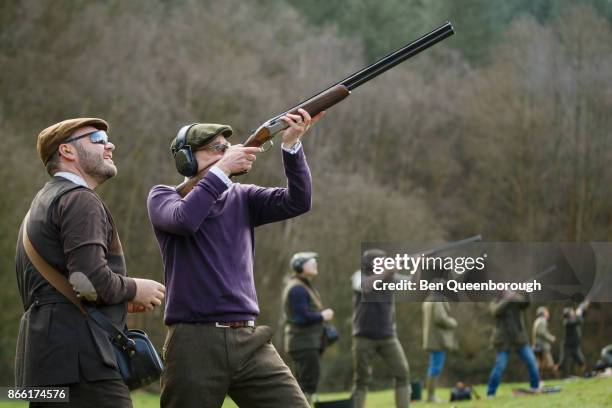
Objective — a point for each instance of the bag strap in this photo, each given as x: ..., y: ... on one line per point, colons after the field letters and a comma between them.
x: 118, y: 337
x: 61, y: 283
x: 314, y: 295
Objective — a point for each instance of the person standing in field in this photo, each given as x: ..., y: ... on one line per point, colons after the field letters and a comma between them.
x: 438, y: 338
x: 71, y: 228
x: 374, y: 333
x: 542, y: 342
x: 304, y: 316
x: 510, y: 335
x: 207, y: 238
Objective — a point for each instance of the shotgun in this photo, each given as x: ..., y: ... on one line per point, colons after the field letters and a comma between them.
x: 448, y: 245
x: 336, y: 92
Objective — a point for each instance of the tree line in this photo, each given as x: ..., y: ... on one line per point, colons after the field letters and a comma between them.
x: 502, y: 130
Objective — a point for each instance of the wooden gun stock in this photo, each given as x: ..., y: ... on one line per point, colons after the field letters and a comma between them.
x: 313, y: 106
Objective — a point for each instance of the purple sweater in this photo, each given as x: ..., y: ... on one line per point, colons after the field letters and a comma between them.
x: 207, y: 241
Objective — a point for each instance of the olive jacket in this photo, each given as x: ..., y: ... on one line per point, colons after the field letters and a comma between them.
x: 438, y: 326
x: 509, y: 332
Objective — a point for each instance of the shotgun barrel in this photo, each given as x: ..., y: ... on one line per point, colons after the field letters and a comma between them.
x: 384, y: 64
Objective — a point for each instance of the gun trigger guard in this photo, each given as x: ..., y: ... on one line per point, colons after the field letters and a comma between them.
x: 267, y: 145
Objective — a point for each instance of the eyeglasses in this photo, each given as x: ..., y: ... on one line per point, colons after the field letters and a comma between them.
x: 218, y: 147
x: 97, y: 137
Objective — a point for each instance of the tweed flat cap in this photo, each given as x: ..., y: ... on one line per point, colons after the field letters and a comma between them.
x: 50, y: 138
x: 201, y: 134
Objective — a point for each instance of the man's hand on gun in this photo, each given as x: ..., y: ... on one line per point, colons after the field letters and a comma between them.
x: 298, y: 125
x: 148, y: 295
x: 238, y: 159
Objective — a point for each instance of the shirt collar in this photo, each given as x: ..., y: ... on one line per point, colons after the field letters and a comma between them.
x: 75, y: 178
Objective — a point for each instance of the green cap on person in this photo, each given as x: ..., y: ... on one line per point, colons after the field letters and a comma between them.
x: 201, y: 134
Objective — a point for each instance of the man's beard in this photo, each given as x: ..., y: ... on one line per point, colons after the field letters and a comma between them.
x: 96, y: 166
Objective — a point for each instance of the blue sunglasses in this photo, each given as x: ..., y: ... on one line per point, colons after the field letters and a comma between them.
x: 97, y: 137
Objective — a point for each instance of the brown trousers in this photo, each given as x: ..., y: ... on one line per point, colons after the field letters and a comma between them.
x: 204, y: 363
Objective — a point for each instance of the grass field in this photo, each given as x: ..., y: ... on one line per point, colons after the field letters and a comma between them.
x: 592, y: 393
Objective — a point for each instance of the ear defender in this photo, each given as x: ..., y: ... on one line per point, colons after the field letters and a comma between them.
x: 185, y: 162
x: 298, y: 266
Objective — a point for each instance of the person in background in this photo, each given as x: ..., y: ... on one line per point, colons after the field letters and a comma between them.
x: 438, y: 337
x: 304, y: 317
x: 374, y: 332
x: 571, y: 353
x: 510, y: 334
x: 542, y: 341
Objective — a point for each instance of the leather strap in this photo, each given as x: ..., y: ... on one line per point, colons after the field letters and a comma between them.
x: 52, y: 275
x: 314, y: 295
x: 117, y: 336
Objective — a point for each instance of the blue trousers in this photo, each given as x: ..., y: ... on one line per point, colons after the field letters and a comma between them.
x: 501, y: 361
x: 436, y: 363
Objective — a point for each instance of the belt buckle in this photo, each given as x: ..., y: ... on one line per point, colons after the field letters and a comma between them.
x: 224, y: 326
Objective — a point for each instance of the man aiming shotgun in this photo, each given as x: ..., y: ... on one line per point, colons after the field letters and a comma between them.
x: 331, y: 96
x: 205, y: 230
x: 213, y: 347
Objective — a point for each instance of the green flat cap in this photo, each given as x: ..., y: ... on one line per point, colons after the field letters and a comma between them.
x: 299, y: 259
x: 200, y: 134
x: 53, y: 136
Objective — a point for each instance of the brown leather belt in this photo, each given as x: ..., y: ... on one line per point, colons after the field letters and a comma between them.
x: 234, y: 325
